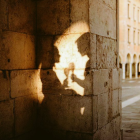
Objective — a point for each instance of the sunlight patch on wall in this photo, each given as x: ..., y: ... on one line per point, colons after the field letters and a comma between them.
x: 71, y: 59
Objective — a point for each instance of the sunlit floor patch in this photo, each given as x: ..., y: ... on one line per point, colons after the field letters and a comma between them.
x: 131, y: 81
x: 130, y: 101
x: 131, y: 87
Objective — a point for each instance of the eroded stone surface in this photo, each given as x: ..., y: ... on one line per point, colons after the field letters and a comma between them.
x: 102, y: 23
x: 4, y: 85
x: 22, y: 16
x: 17, y: 54
x: 54, y: 20
x: 25, y: 114
x: 69, y: 113
x: 6, y: 119
x: 25, y: 82
x: 100, y: 81
x: 106, y: 53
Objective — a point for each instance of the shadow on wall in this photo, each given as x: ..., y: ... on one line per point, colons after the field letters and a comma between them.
x: 64, y: 109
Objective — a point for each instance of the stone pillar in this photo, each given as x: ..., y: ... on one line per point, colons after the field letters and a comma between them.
x: 136, y: 70
x: 130, y: 70
x: 123, y: 70
x: 81, y: 80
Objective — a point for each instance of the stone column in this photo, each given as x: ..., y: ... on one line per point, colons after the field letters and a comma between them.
x: 123, y: 70
x: 77, y: 69
x: 136, y: 70
x: 130, y: 70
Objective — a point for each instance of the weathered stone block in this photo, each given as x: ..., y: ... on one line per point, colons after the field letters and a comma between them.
x: 115, y: 108
x: 93, y: 49
x: 4, y: 14
x: 115, y: 95
x: 76, y: 113
x: 106, y: 133
x: 106, y: 52
x: 66, y: 113
x: 22, y: 16
x: 79, y: 12
x: 120, y: 101
x: 54, y: 20
x: 100, y: 81
x: 53, y: 134
x: 102, y: 110
x: 4, y: 85
x: 55, y: 82
x: 95, y: 113
x: 49, y: 111
x: 101, y: 22
x: 25, y: 82
x: 67, y: 82
x: 25, y: 114
x: 115, y: 79
x: 6, y: 119
x: 82, y: 83
x: 116, y: 127
x: 120, y: 78
x: 78, y: 136
x: 17, y: 51
x: 45, y: 52
x: 109, y: 132
x: 27, y: 136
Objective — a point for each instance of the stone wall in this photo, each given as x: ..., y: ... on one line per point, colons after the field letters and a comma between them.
x: 77, y: 56
x: 59, y: 70
x: 18, y: 77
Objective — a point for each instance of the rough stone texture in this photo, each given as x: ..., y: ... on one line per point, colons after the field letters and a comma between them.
x: 120, y: 78
x: 106, y: 52
x: 49, y: 79
x: 3, y: 14
x: 106, y: 133
x: 102, y: 110
x: 95, y: 113
x: 4, y: 85
x: 6, y: 119
x: 25, y: 82
x: 27, y: 136
x: 45, y: 52
x: 73, y: 46
x: 109, y: 132
x: 115, y: 79
x: 25, y: 114
x: 17, y: 54
x: 120, y: 101
x: 78, y: 85
x: 22, y: 16
x: 79, y: 16
x: 71, y: 113
x: 64, y: 135
x: 54, y: 20
x: 103, y: 23
x: 100, y: 81
x: 93, y: 49
x: 115, y: 103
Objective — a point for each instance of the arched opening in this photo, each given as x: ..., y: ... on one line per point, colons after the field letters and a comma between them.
x: 120, y: 63
x: 127, y: 66
x: 139, y: 66
x: 134, y: 66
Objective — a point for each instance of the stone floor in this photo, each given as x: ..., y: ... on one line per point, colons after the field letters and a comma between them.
x: 131, y: 109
